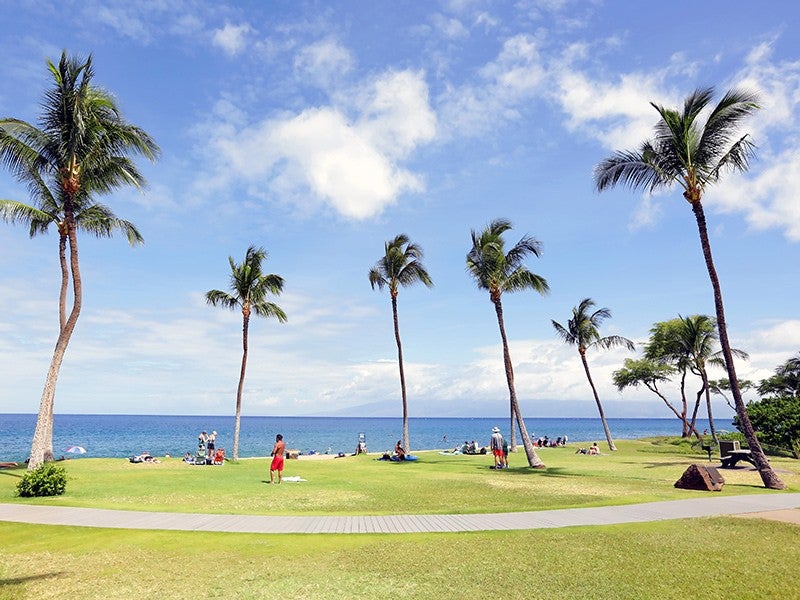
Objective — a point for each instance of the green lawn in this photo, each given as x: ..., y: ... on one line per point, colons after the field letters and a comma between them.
x: 700, y: 557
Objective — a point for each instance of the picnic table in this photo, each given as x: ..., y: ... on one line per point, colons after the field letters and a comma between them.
x: 734, y: 456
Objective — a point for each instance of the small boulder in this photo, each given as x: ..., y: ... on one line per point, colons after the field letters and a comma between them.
x: 701, y: 477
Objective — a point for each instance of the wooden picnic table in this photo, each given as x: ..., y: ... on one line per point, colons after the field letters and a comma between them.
x: 734, y: 456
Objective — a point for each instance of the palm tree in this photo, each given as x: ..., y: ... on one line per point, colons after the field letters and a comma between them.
x: 697, y: 337
x: 694, y: 154
x: 399, y: 265
x: 582, y: 331
x: 250, y: 287
x: 82, y: 149
x: 497, y: 271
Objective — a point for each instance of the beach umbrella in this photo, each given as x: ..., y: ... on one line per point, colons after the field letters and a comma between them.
x: 76, y: 450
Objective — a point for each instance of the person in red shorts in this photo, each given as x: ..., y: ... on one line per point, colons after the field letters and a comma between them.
x: 496, y: 444
x: 277, y: 459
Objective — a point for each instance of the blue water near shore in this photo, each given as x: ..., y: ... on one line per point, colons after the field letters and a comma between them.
x: 120, y: 436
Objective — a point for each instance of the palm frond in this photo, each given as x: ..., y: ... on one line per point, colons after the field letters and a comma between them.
x: 565, y: 333
x: 220, y: 298
x: 522, y: 279
x: 722, y: 123
x: 269, y: 309
x: 634, y: 169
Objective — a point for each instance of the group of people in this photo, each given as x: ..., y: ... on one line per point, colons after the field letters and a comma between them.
x: 545, y: 442
x: 207, y: 451
x: 469, y: 448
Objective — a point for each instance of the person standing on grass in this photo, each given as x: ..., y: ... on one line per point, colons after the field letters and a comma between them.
x: 496, y: 445
x: 277, y: 459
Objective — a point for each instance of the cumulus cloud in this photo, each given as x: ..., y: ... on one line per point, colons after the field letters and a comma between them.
x: 232, y: 39
x: 351, y: 164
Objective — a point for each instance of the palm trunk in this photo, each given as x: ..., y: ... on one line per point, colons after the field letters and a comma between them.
x: 708, y: 407
x: 530, y: 453
x: 238, y: 422
x: 62, y: 297
x: 42, y: 444
x: 406, y: 441
x: 697, y: 400
x: 609, y: 439
x: 768, y: 476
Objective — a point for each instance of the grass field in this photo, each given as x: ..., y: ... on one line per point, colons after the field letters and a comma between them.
x: 698, y: 557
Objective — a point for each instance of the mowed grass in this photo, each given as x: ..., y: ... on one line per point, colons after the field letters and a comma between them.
x: 698, y: 558
x: 641, y: 471
x: 728, y: 557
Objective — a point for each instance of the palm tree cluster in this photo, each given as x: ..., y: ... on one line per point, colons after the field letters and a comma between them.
x: 692, y: 148
x: 683, y: 346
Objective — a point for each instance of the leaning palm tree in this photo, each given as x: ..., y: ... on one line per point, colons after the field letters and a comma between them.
x: 692, y: 153
x: 250, y: 287
x: 497, y: 271
x: 81, y: 149
x: 582, y: 331
x: 400, y: 265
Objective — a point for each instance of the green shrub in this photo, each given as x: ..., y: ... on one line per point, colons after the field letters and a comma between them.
x: 45, y: 480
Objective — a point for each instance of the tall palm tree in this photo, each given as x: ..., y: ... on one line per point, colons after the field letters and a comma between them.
x: 692, y: 153
x: 250, y: 287
x: 582, y: 331
x: 81, y: 149
x: 400, y: 265
x: 498, y: 271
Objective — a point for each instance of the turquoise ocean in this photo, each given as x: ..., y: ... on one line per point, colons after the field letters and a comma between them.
x: 121, y: 436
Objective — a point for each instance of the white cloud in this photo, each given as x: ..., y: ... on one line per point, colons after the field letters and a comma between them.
x: 232, y: 39
x: 324, y: 62
x: 351, y: 165
x: 450, y: 28
x: 618, y: 115
x: 124, y: 19
x: 767, y: 195
x: 516, y: 75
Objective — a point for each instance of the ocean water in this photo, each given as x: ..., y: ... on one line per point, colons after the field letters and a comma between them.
x: 121, y: 436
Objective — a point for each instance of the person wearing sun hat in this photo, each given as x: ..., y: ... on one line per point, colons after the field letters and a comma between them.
x: 496, y: 444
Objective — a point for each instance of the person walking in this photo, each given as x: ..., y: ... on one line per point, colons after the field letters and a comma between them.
x: 277, y: 459
x: 496, y: 444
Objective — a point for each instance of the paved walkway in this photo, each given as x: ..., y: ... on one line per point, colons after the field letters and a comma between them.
x: 632, y: 513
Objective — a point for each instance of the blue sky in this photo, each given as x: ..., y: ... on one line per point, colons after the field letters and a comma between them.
x: 319, y: 130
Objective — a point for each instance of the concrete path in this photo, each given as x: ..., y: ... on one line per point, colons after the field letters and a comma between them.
x: 632, y: 513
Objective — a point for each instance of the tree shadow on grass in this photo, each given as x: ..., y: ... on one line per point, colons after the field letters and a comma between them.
x: 13, y: 472
x: 14, y: 581
x: 654, y: 465
x: 529, y: 471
